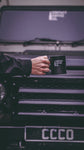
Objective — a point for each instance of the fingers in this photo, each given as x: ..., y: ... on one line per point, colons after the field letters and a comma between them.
x: 45, y: 60
x: 44, y: 65
x: 45, y: 70
x: 41, y: 73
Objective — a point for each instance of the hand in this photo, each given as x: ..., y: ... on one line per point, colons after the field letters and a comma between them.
x: 40, y: 65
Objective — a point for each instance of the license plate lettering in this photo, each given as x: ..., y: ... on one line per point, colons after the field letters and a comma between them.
x: 57, y: 134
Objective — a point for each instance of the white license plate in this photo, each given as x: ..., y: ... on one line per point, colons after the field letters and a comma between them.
x: 53, y: 134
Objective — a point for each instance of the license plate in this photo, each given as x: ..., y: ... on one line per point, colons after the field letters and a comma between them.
x: 53, y: 134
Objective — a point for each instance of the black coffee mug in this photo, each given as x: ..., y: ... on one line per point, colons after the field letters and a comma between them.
x: 58, y: 64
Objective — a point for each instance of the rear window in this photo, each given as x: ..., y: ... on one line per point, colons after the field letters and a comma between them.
x: 19, y: 24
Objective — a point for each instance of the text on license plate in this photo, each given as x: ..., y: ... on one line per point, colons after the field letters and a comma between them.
x: 53, y: 134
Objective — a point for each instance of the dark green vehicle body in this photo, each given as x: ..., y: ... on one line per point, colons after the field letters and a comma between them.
x: 43, y: 112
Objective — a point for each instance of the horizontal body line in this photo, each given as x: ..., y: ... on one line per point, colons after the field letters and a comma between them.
x: 58, y: 91
x: 50, y: 102
x: 50, y: 114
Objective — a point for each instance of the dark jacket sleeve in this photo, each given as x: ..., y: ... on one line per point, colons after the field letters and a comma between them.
x: 10, y: 65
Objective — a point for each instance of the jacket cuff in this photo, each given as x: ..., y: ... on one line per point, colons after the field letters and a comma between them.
x: 27, y: 67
